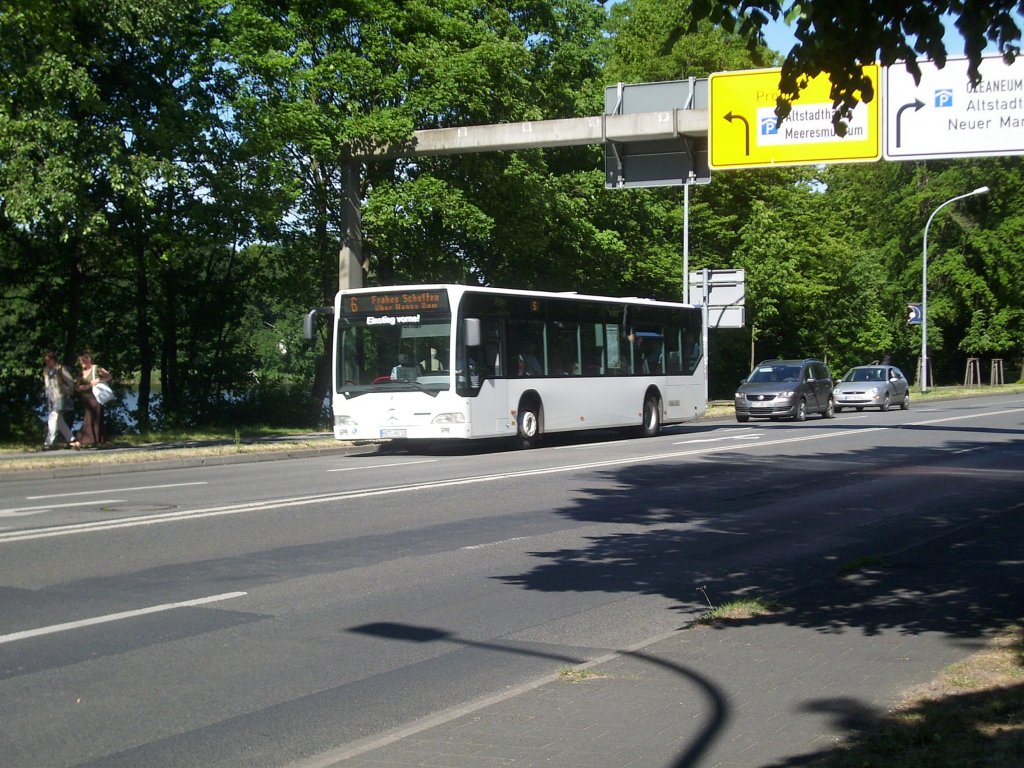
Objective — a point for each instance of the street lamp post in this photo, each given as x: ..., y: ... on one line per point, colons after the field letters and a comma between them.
x: 924, y: 285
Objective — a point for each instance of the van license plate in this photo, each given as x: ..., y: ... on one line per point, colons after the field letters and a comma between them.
x: 392, y: 433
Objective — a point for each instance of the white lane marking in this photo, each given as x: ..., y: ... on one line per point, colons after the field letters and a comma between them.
x: 591, y: 445
x: 961, y: 418
x: 54, y: 628
x: 378, y: 466
x: 264, y: 506
x: 494, y: 543
x: 749, y: 436
x: 114, y: 490
x: 19, y: 511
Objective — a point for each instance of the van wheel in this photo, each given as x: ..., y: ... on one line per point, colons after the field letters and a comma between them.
x: 528, y: 425
x: 652, y: 417
x: 801, y: 411
x: 742, y: 419
x: 830, y: 409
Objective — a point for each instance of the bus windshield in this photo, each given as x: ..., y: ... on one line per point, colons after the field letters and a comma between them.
x: 374, y: 356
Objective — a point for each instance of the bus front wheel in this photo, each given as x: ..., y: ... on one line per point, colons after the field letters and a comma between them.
x: 528, y: 424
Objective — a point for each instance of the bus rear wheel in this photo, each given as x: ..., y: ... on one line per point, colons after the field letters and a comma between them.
x: 652, y: 417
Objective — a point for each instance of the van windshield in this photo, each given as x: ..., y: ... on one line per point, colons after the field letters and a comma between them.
x: 774, y: 373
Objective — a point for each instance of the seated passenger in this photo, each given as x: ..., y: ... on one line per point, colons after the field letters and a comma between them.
x: 406, y: 370
x: 529, y: 365
x: 432, y: 363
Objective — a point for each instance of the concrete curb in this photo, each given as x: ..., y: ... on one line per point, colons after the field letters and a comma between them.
x: 101, y: 467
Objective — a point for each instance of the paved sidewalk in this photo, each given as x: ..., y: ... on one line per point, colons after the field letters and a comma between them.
x: 765, y: 692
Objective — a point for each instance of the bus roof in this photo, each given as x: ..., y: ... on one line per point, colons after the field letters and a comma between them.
x: 454, y: 288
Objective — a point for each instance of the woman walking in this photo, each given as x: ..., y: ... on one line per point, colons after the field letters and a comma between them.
x: 59, y: 386
x: 92, y: 431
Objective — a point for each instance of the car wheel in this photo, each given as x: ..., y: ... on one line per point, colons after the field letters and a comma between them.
x: 885, y: 403
x: 801, y: 411
x: 830, y: 409
x: 838, y: 409
x: 905, y: 404
x: 652, y: 417
x: 742, y: 419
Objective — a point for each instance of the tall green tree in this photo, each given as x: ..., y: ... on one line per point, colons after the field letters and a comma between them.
x: 121, y: 185
x: 974, y: 303
x: 320, y: 87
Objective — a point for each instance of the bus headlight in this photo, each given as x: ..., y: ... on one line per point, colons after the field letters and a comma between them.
x: 449, y: 418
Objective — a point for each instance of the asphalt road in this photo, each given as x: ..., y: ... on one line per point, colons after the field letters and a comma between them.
x: 257, y: 614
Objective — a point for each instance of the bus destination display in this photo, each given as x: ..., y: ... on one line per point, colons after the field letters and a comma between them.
x: 392, y: 302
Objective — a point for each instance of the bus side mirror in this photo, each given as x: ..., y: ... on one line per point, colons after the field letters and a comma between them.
x: 472, y: 328
x: 309, y: 321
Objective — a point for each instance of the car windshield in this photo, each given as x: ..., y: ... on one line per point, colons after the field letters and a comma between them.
x: 770, y: 373
x: 865, y: 374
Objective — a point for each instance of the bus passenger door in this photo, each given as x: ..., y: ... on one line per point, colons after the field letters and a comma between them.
x: 488, y: 385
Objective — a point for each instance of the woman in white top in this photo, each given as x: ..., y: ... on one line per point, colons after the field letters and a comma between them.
x: 59, y: 386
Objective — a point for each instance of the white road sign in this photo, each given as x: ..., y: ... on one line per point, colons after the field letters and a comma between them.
x: 944, y: 116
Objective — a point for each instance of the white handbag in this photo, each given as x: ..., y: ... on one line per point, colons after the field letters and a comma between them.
x: 102, y: 392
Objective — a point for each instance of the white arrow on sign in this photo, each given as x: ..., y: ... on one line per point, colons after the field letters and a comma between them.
x: 943, y: 116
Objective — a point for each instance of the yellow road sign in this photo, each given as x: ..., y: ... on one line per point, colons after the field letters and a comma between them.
x: 743, y: 131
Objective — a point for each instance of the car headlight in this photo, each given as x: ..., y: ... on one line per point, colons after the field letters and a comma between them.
x: 785, y: 395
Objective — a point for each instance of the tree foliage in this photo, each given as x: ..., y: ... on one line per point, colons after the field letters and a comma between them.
x: 840, y: 38
x: 174, y: 177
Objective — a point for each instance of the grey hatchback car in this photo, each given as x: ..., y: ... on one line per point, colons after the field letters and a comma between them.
x: 779, y: 389
x: 872, y: 386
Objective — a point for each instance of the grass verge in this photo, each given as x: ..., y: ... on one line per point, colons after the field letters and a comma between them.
x: 970, y: 715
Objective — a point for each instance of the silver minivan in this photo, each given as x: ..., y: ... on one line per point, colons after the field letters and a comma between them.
x: 781, y: 389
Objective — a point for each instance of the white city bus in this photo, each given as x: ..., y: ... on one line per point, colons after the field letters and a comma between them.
x: 435, y: 362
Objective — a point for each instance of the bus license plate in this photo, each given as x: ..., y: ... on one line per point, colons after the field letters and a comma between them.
x: 392, y: 433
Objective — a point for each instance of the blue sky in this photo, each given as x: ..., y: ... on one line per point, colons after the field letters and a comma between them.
x: 780, y: 38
